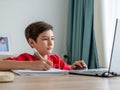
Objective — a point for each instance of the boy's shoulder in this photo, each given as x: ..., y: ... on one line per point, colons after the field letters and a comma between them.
x: 54, y: 56
x: 25, y: 54
x: 22, y: 57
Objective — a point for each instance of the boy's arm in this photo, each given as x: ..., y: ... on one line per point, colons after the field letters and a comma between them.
x: 9, y: 64
x: 34, y: 65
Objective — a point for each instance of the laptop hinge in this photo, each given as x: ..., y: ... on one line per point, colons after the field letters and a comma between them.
x: 106, y: 74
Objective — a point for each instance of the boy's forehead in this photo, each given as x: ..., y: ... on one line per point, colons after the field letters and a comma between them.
x: 46, y: 33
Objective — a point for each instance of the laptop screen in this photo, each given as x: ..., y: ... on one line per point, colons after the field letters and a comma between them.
x: 115, y: 53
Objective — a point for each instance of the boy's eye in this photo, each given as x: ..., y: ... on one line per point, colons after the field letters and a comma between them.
x: 52, y: 38
x: 44, y: 39
x: 48, y: 39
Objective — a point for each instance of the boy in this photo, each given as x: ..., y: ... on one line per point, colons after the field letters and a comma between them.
x: 40, y: 37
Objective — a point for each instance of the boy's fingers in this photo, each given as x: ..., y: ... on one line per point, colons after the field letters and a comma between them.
x: 83, y: 64
x: 49, y: 62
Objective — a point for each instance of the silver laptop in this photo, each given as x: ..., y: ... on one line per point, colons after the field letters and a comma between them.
x: 114, y: 65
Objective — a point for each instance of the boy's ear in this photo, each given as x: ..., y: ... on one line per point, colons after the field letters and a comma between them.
x: 31, y: 42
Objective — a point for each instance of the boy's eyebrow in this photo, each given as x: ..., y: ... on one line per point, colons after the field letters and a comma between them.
x: 47, y: 36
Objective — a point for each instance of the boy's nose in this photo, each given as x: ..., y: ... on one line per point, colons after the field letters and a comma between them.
x: 50, y: 42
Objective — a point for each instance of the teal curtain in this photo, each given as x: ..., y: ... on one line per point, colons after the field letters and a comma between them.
x: 81, y: 43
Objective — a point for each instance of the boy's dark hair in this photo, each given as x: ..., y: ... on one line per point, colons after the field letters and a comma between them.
x: 33, y: 30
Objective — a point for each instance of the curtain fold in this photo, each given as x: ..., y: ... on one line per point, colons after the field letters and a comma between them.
x: 81, y: 43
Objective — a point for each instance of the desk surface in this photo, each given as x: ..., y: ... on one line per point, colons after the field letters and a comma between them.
x: 62, y: 82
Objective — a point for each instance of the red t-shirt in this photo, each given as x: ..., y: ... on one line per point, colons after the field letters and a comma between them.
x: 57, y: 61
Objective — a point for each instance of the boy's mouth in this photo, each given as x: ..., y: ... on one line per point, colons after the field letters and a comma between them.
x: 49, y: 48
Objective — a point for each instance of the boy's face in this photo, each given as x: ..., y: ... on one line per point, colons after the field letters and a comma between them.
x: 44, y: 43
x: 2, y: 41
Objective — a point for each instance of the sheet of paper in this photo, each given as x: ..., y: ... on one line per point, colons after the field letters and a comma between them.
x: 52, y: 71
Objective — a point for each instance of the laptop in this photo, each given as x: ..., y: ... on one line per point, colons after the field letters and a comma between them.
x: 114, y: 65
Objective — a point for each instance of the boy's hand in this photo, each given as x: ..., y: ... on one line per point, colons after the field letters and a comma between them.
x: 41, y: 65
x: 80, y: 64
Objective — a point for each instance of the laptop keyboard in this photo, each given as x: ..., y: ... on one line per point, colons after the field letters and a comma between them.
x: 90, y: 71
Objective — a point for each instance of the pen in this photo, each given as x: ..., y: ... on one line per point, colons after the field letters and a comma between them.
x: 38, y: 53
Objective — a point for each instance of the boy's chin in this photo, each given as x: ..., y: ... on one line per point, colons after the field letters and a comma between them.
x: 49, y: 52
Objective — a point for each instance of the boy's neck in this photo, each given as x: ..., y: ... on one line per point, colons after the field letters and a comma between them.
x: 45, y: 56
